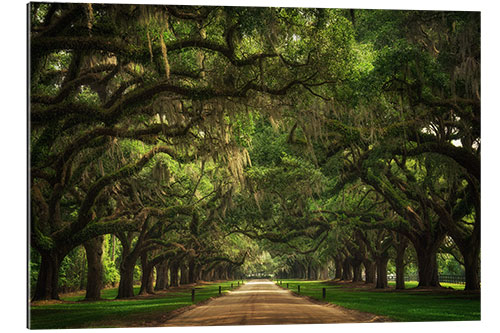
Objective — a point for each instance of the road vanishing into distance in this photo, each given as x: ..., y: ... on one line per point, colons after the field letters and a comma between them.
x: 261, y: 302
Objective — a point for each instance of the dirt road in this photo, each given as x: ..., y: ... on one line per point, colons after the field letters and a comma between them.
x: 261, y: 302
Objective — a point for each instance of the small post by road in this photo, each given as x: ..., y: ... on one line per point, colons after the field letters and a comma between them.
x: 192, y: 295
x: 287, y: 285
x: 220, y: 290
x: 238, y: 283
x: 324, y: 293
x: 231, y: 286
x: 298, y: 288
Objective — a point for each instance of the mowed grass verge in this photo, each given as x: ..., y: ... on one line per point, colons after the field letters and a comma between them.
x: 404, y: 306
x: 73, y: 312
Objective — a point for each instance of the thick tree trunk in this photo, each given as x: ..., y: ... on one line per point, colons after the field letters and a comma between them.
x: 147, y: 277
x: 426, y: 248
x: 126, y: 286
x: 224, y: 273
x: 338, y: 267
x: 381, y: 263
x: 95, y: 270
x: 48, y: 277
x: 470, y: 248
x: 174, y: 274
x: 356, y: 268
x: 400, y: 273
x: 369, y: 270
x: 471, y: 263
x: 193, y: 272
x: 184, y: 274
x: 161, y: 276
x: 346, y: 270
x: 427, y: 268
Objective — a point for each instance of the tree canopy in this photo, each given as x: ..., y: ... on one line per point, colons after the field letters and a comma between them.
x: 221, y: 141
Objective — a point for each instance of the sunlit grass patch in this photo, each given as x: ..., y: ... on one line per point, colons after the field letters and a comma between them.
x: 397, y: 305
x: 75, y: 313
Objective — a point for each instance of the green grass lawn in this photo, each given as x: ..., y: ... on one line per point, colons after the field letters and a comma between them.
x: 73, y: 313
x: 414, y: 284
x: 399, y: 306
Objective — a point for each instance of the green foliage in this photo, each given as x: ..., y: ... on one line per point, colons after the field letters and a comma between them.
x: 284, y: 131
x: 72, y: 275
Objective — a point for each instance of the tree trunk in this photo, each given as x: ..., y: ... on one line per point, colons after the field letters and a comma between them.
x: 338, y: 268
x: 192, y: 272
x: 184, y: 274
x: 224, y: 274
x: 356, y: 267
x: 369, y: 270
x: 469, y: 248
x: 400, y: 273
x: 126, y: 286
x: 174, y: 274
x: 216, y: 274
x: 346, y: 270
x: 381, y: 263
x: 427, y: 268
x: 161, y: 276
x: 95, y: 270
x: 48, y: 277
x: 147, y: 276
x: 471, y: 263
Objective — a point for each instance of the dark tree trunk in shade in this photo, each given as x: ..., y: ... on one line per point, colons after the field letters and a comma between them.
x: 95, y: 270
x: 346, y: 270
x: 161, y: 276
x: 370, y: 270
x: 146, y: 277
x: 471, y: 261
x: 426, y: 246
x: 470, y: 249
x: 192, y: 274
x: 174, y: 274
x: 381, y: 263
x: 400, y: 273
x: 48, y: 276
x: 338, y: 267
x: 224, y: 273
x: 126, y: 286
x: 356, y: 268
x: 401, y: 244
x: 427, y: 269
x: 184, y: 274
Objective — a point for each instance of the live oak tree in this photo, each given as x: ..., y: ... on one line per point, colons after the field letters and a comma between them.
x: 101, y: 73
x: 153, y: 124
